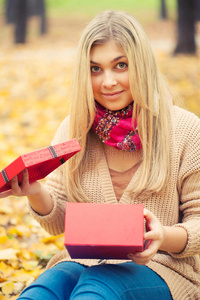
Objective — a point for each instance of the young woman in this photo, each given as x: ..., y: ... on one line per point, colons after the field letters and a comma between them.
x: 137, y: 147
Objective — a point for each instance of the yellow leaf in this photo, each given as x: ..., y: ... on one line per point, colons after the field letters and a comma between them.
x: 20, y: 230
x: 35, y: 273
x: 29, y: 266
x: 31, y: 280
x: 9, y: 243
x: 26, y: 254
x: 24, y: 276
x: 3, y: 235
x: 14, y: 263
x: 3, y: 239
x: 20, y: 276
x: 4, y: 218
x: 5, y: 93
x: 19, y: 286
x: 8, y: 254
x: 2, y: 277
x: 51, y: 239
x: 2, y: 231
x: 8, y: 288
x: 5, y: 272
x: 3, y: 297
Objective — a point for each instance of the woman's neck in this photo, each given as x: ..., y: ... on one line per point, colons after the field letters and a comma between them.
x: 121, y: 160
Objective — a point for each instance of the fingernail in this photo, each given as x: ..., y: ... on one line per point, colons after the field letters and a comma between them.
x: 137, y: 254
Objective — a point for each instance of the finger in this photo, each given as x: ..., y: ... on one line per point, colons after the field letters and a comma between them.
x: 147, y: 244
x: 148, y: 218
x: 155, y: 235
x: 25, y: 179
x: 140, y: 260
x: 151, y: 235
x: 15, y: 185
x: 144, y: 254
x: 141, y: 255
x: 149, y: 252
x: 147, y: 213
x: 14, y: 181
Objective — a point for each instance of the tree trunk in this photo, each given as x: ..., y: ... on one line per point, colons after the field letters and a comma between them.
x: 21, y: 21
x: 163, y: 10
x: 197, y: 10
x: 186, y: 27
x: 9, y: 11
x: 42, y: 13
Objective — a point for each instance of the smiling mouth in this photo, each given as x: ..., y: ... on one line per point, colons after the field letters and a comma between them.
x: 112, y: 94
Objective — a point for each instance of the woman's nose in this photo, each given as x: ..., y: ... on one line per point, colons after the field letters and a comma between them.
x: 109, y: 80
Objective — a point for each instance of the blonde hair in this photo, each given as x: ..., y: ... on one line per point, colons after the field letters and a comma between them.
x: 152, y: 103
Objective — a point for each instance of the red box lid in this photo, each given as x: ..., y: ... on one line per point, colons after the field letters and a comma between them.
x: 39, y: 163
x: 103, y: 230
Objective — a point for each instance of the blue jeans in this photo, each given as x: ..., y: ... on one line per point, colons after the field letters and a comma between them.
x: 126, y: 281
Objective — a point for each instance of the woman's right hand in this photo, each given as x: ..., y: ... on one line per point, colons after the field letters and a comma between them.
x: 24, y: 189
x: 38, y: 197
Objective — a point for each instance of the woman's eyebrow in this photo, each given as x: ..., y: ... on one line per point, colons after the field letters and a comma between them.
x: 95, y: 63
x: 119, y: 57
x: 115, y: 59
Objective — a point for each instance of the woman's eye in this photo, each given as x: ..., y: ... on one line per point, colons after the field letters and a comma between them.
x: 95, y: 69
x: 122, y: 65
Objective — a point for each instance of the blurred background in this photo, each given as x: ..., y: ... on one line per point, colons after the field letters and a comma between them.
x: 38, y: 42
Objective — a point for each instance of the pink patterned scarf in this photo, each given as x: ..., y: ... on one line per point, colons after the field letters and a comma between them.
x: 115, y: 128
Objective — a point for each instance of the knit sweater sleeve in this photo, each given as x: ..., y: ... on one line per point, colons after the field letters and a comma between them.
x: 54, y: 221
x: 189, y: 182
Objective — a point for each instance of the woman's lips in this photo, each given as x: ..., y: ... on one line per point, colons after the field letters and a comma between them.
x: 112, y: 95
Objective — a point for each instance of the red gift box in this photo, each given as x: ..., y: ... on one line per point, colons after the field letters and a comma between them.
x: 104, y: 231
x: 39, y: 163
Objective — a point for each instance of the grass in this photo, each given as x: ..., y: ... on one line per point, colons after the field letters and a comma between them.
x: 145, y: 9
x: 91, y: 5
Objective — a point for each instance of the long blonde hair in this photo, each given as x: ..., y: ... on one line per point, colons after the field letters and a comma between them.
x: 152, y: 103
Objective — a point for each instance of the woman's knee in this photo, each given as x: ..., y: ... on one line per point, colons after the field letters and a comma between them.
x: 56, y: 283
x: 95, y: 283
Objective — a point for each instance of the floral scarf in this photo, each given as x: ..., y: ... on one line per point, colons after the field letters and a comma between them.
x: 115, y: 128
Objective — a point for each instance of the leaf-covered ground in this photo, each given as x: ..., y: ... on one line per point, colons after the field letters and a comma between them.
x: 34, y: 98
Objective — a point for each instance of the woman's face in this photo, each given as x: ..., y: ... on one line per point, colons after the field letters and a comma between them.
x: 109, y: 74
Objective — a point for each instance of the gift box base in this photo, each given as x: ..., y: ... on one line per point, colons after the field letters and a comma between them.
x: 103, y: 231
x: 102, y: 252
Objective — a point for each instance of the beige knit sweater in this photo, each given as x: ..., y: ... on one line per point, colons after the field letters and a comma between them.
x: 177, y: 205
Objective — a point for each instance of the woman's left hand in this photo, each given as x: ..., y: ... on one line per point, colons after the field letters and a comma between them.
x: 153, y: 238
